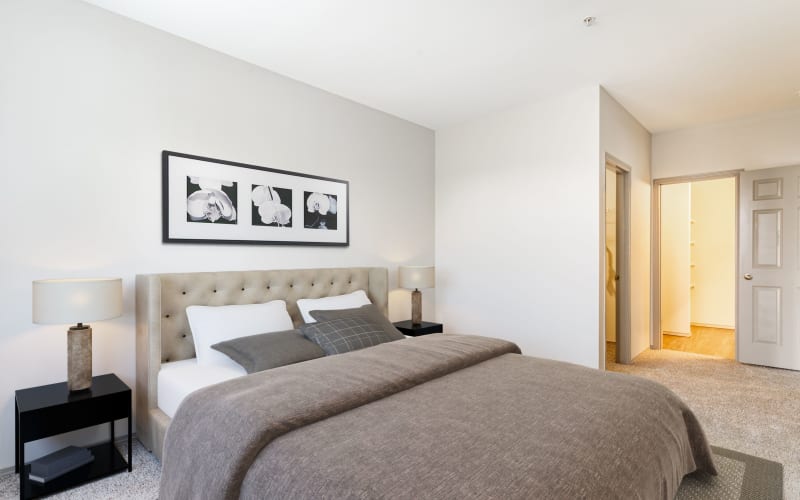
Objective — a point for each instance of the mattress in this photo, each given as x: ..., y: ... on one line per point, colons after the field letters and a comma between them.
x: 178, y: 379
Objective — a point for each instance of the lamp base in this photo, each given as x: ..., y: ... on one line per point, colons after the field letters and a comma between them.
x: 416, y: 307
x: 79, y: 358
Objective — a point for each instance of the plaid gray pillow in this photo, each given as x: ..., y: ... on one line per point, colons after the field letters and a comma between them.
x: 368, y: 311
x: 341, y: 335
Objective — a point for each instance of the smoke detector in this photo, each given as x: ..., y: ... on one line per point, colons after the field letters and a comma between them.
x: 589, y: 21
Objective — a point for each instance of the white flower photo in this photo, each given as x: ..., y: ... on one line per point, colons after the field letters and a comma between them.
x: 271, y: 206
x: 320, y: 211
x: 210, y: 200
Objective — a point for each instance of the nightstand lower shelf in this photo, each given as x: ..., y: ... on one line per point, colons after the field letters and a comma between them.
x: 107, y: 461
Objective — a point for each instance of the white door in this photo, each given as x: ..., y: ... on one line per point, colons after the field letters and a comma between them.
x: 768, y: 332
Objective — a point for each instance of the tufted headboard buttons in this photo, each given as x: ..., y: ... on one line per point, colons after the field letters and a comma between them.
x: 179, y: 291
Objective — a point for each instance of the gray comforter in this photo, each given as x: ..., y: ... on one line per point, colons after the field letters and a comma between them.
x: 442, y: 416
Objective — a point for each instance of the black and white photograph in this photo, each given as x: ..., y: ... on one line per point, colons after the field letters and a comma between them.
x: 214, y: 201
x: 210, y: 200
x: 320, y: 210
x: 272, y: 206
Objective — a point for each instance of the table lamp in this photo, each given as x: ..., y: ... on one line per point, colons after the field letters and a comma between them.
x: 416, y: 277
x: 67, y: 301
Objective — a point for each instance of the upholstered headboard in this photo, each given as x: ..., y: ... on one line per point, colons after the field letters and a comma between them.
x: 163, y: 333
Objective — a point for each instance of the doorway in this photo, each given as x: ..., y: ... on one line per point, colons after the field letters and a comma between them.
x: 697, y: 255
x: 615, y: 339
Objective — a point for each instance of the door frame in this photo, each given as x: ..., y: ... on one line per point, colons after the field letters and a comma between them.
x: 623, y: 302
x: 655, y: 248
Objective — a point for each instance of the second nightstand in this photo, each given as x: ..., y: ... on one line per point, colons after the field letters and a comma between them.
x: 412, y: 330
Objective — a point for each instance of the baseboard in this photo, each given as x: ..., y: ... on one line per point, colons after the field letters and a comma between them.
x: 677, y: 334
x: 710, y: 325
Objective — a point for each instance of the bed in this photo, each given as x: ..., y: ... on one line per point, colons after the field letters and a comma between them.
x: 441, y: 416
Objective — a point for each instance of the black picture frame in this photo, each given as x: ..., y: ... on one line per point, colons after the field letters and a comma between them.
x: 195, y: 211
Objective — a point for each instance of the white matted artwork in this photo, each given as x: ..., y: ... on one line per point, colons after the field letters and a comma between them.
x: 206, y: 200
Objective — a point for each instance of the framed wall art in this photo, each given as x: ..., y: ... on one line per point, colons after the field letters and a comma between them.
x: 205, y: 200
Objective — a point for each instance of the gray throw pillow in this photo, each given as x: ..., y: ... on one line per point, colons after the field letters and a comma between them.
x: 269, y: 350
x: 341, y: 335
x: 369, y: 311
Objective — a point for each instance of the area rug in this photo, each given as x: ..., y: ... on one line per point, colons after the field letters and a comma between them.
x: 741, y: 477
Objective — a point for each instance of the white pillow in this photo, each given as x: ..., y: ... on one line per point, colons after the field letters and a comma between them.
x: 213, y: 324
x: 348, y: 301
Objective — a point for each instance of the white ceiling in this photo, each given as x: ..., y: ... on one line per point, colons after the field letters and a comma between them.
x: 672, y: 63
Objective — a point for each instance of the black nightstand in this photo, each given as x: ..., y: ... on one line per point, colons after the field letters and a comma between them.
x: 425, y: 328
x: 52, y: 409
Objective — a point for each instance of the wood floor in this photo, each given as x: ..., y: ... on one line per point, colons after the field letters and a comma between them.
x: 720, y: 342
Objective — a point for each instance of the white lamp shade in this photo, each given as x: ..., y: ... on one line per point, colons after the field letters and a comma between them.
x: 417, y: 277
x: 76, y: 300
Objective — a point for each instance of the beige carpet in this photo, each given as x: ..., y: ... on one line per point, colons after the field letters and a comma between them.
x: 750, y: 409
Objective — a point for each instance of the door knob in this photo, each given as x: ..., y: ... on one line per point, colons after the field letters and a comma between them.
x: 748, y: 276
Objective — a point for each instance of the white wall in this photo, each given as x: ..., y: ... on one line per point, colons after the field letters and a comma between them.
x: 624, y: 138
x: 519, y: 212
x: 676, y: 257
x: 89, y: 99
x: 714, y: 252
x: 763, y: 141
x: 517, y: 227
